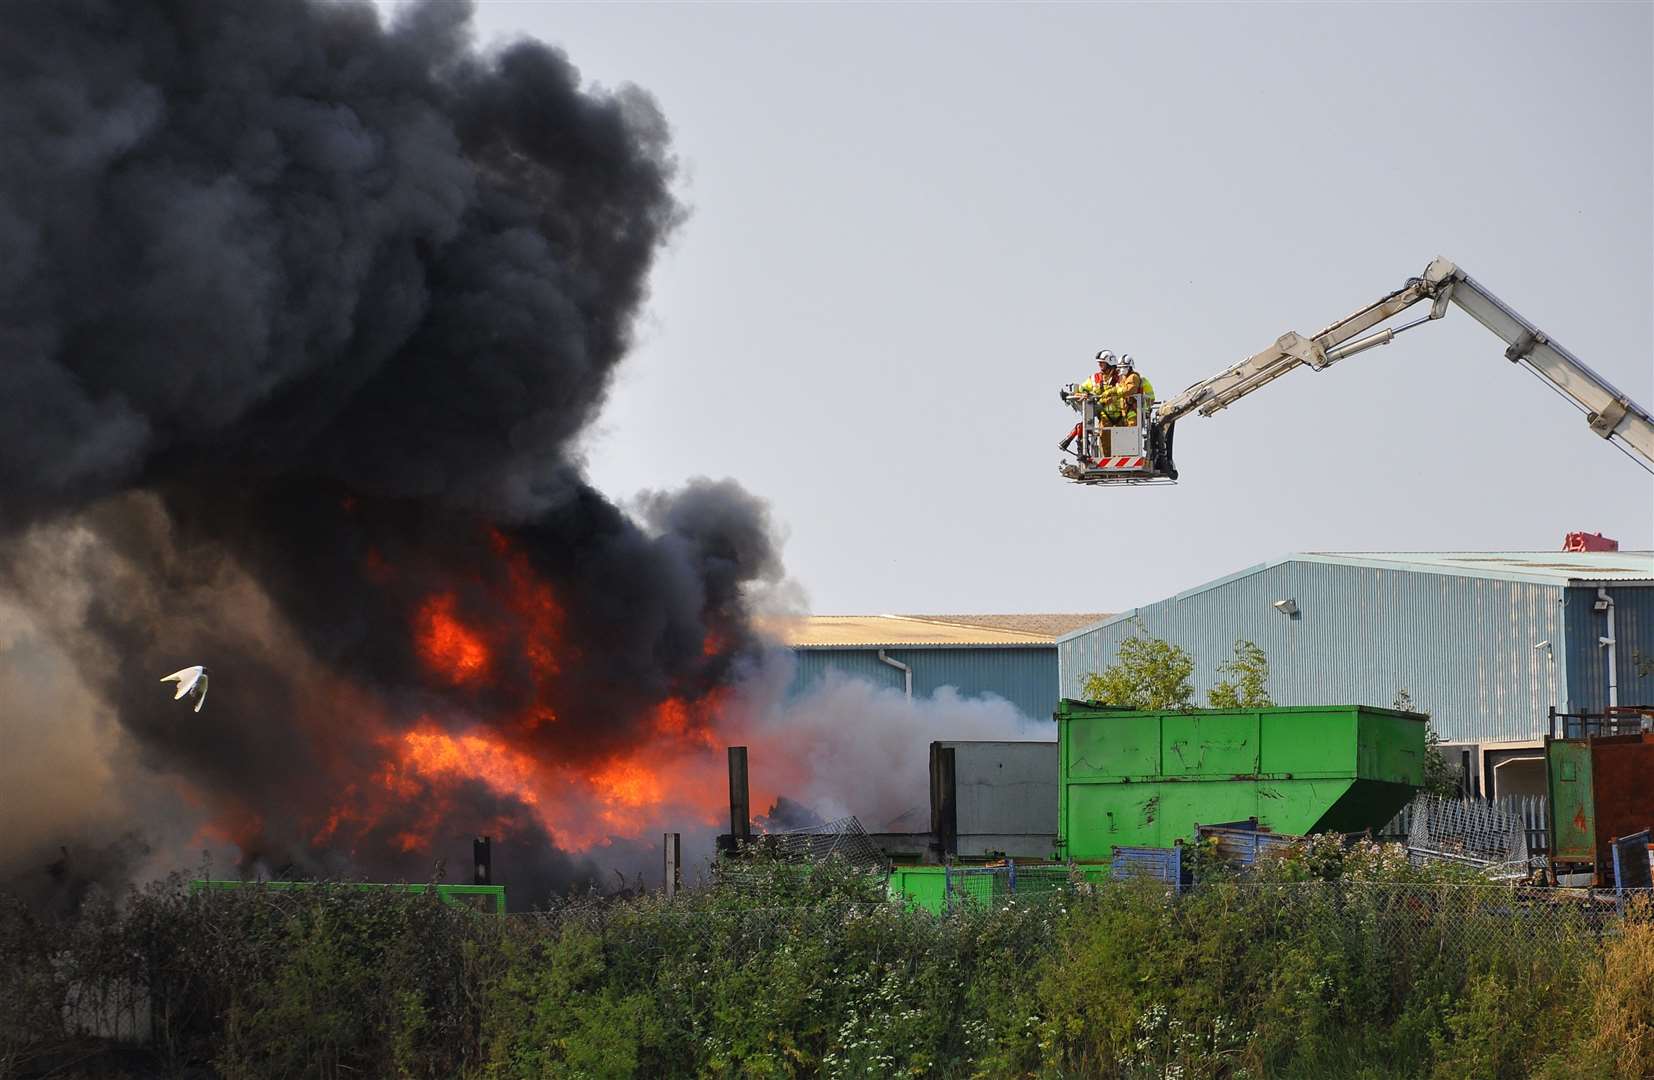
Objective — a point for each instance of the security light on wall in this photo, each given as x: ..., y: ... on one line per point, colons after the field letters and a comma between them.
x: 1289, y: 608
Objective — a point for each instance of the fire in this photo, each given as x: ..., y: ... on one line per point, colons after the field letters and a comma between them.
x: 433, y: 753
x: 508, y: 644
x: 447, y: 646
x: 581, y: 807
x: 238, y: 828
x: 692, y: 722
x: 672, y: 717
x: 529, y: 624
x: 532, y: 601
x: 626, y: 783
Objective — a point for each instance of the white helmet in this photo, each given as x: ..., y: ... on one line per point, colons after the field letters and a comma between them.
x: 1125, y: 362
x: 1104, y: 356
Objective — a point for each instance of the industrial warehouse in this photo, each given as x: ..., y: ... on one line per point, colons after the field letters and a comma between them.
x: 1014, y: 657
x: 1503, y: 652
x: 1492, y: 645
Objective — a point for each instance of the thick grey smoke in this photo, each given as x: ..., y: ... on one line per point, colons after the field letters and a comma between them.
x: 300, y: 316
x: 847, y: 746
x: 283, y: 236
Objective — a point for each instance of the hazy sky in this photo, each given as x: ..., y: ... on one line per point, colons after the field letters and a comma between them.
x: 911, y: 223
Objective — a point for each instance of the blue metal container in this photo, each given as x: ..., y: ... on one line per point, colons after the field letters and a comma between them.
x: 1165, y: 865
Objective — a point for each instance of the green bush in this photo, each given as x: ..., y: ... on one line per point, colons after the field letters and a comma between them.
x: 1327, y: 961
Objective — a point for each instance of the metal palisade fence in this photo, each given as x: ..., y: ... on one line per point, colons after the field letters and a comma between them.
x: 1510, y: 829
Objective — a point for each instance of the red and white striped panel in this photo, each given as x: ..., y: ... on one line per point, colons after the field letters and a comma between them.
x: 1121, y: 463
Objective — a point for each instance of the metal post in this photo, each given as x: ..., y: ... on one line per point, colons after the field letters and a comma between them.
x: 482, y: 860
x: 1619, y: 879
x: 673, y: 871
x: 944, y: 812
x: 1011, y: 873
x: 740, y: 819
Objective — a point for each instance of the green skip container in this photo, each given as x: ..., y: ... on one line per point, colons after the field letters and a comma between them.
x: 1146, y: 779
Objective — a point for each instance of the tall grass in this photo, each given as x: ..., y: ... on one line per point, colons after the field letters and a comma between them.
x: 1328, y: 964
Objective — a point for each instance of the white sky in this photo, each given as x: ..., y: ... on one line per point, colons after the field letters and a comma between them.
x: 911, y: 223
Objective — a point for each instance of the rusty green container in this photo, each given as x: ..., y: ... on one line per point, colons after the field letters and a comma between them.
x: 1599, y: 788
x: 1146, y: 779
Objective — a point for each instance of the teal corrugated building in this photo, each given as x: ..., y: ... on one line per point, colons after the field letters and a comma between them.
x: 1487, y: 642
x: 1013, y: 657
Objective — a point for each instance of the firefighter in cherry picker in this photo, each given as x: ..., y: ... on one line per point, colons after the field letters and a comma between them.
x: 1127, y: 385
x: 1099, y: 389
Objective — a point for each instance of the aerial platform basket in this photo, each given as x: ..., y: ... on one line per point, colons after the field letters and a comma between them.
x: 1138, y: 453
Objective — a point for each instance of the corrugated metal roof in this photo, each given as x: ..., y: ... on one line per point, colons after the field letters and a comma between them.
x: 876, y: 631
x: 1552, y: 567
x: 1053, y: 625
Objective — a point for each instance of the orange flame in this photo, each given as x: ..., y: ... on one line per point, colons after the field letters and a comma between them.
x: 580, y: 807
x: 431, y: 753
x: 537, y: 609
x: 669, y: 778
x: 447, y: 646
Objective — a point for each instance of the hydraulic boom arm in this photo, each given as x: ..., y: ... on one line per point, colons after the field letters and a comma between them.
x: 1611, y: 414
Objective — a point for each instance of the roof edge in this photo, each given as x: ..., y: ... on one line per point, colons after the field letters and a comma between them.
x: 1127, y: 616
x: 1356, y: 559
x: 1374, y: 562
x: 861, y: 646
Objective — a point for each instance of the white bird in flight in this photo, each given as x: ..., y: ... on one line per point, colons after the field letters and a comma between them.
x: 190, y: 680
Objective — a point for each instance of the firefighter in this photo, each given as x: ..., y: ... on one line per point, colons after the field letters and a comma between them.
x: 1098, y: 388
x: 1127, y: 385
x: 1103, y: 378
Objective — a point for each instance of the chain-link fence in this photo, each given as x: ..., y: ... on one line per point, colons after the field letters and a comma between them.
x: 1010, y: 880
x: 742, y: 931
x: 1483, y: 910
x: 1406, y: 919
x: 1381, y: 922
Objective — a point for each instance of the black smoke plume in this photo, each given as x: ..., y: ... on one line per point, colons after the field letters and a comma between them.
x: 301, y: 315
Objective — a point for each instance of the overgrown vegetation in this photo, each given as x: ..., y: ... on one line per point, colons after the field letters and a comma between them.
x: 1441, y: 777
x: 1149, y: 673
x: 1152, y: 673
x: 1330, y: 962
x: 1248, y: 687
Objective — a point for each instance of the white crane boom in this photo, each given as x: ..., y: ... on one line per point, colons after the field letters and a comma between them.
x: 1611, y: 414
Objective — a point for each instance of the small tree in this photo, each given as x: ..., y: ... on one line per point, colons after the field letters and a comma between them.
x: 1440, y: 777
x: 1250, y: 687
x: 1150, y: 673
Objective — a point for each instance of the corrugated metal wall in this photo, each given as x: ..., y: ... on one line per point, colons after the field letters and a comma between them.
x: 1461, y: 646
x: 1026, y: 677
x: 1588, y: 660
